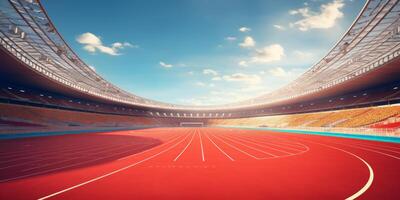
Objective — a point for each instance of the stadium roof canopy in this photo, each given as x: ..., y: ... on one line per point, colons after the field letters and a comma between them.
x: 28, y: 34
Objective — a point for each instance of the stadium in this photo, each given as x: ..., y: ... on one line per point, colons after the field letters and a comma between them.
x: 67, y: 132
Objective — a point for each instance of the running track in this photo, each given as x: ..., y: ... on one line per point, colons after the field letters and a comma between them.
x: 198, y: 163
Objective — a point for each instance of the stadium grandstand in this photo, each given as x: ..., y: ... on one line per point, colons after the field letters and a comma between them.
x: 47, y: 89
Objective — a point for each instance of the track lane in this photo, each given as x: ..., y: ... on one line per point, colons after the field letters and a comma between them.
x: 385, y: 167
x: 39, y: 185
x: 313, y: 174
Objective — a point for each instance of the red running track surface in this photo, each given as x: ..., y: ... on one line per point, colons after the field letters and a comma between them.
x: 198, y: 163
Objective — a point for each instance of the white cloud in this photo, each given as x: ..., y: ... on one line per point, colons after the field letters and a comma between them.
x: 127, y: 44
x: 191, y: 73
x: 244, y: 29
x: 270, y: 53
x: 230, y: 38
x: 302, y: 55
x: 243, y: 63
x: 119, y: 45
x: 227, y: 95
x: 260, y: 89
x: 210, y: 72
x: 279, y: 27
x: 89, y: 39
x: 324, y: 19
x: 245, y: 78
x: 247, y: 42
x: 201, y: 84
x: 216, y: 78
x: 93, y: 43
x: 278, y: 72
x: 301, y: 11
x: 165, y: 65
x: 90, y: 48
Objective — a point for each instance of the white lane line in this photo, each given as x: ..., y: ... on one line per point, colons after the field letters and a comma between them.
x: 260, y: 145
x: 240, y: 150
x: 371, y: 171
x: 28, y: 151
x: 177, y: 157
x: 52, y: 151
x: 248, y: 146
x: 201, y: 146
x: 68, y: 166
x: 380, y: 146
x: 48, y: 159
x: 372, y: 150
x: 33, y: 154
x: 277, y: 145
x: 170, y: 141
x: 375, y: 147
x: 126, y: 148
x: 281, y: 140
x: 219, y: 148
x: 113, y: 172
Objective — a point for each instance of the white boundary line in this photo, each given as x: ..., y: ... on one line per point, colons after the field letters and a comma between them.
x: 32, y: 154
x: 79, y: 157
x: 40, y: 153
x: 240, y: 150
x: 372, y: 150
x: 184, y: 149
x: 35, y: 152
x: 371, y: 171
x: 54, y: 154
x: 378, y: 145
x: 66, y: 166
x: 273, y: 144
x: 201, y: 146
x: 111, y: 173
x: 168, y: 141
x: 375, y: 147
x: 219, y: 148
x: 260, y: 145
x: 248, y: 146
x: 283, y: 141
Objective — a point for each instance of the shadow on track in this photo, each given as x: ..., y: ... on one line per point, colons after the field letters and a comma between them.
x: 27, y: 157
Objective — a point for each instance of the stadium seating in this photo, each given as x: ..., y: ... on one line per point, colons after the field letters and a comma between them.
x: 392, y: 122
x: 334, y: 118
x: 29, y: 96
x: 360, y: 117
x: 372, y: 116
x: 34, y: 118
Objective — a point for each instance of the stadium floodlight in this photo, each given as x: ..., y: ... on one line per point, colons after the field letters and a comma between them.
x: 14, y: 29
x: 22, y: 35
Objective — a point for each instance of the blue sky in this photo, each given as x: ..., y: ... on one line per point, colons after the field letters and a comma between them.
x: 205, y: 51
